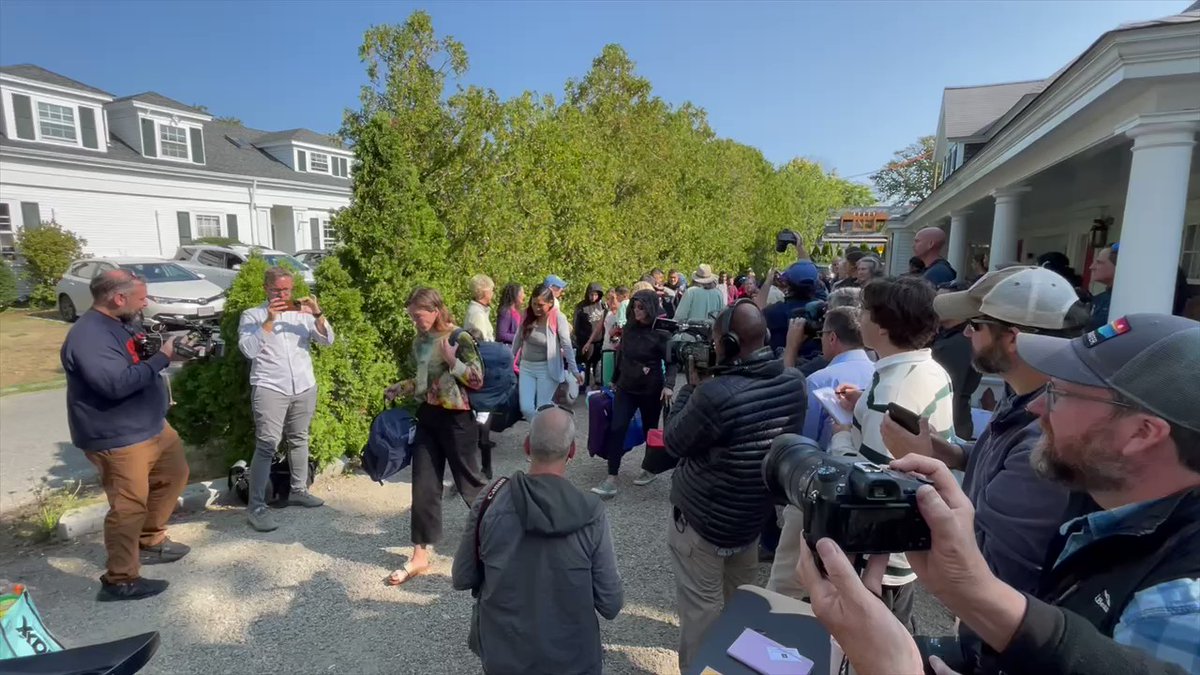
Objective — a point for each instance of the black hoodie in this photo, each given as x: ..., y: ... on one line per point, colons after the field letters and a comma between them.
x: 643, y: 365
x: 540, y: 534
x: 587, y: 315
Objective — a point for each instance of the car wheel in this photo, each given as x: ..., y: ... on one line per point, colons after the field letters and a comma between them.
x: 66, y: 309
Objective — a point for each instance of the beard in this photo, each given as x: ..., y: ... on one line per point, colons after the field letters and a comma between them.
x: 1089, y: 463
x: 993, y: 360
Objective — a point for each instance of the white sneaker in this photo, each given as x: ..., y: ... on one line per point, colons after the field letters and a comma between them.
x: 607, y: 489
x: 645, y: 478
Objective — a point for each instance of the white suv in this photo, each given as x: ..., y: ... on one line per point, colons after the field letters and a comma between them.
x: 221, y: 263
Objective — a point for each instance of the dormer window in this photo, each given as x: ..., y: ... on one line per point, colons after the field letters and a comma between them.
x: 173, y: 141
x: 57, y: 122
x: 318, y: 162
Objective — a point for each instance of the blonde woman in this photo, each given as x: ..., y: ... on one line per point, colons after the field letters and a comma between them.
x: 446, y: 430
x: 479, y: 322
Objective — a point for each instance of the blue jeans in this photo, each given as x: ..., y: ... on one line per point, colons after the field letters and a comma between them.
x: 535, y: 387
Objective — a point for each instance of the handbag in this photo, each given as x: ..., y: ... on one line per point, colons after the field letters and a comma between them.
x: 488, y: 498
x: 656, y: 459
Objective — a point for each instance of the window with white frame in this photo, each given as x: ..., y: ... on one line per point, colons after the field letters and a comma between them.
x: 173, y: 141
x: 57, y: 122
x: 208, y: 226
x: 329, y: 237
x: 1190, y: 260
x: 318, y: 162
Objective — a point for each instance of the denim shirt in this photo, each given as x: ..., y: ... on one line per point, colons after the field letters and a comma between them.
x: 1163, y: 620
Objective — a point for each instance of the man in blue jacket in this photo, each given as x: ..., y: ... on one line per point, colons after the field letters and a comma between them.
x: 117, y: 409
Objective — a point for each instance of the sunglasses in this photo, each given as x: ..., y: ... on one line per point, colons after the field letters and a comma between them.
x: 548, y: 406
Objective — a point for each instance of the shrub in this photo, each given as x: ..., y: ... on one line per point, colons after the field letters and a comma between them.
x: 8, y: 286
x: 47, y: 251
x: 213, y: 397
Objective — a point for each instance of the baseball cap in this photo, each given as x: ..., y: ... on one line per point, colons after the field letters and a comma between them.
x: 1151, y: 359
x: 802, y: 272
x: 553, y: 281
x: 1023, y: 296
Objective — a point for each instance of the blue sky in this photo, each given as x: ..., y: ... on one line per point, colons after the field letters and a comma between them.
x: 845, y: 83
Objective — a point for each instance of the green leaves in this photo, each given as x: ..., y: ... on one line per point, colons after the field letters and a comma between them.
x: 47, y: 249
x: 908, y: 178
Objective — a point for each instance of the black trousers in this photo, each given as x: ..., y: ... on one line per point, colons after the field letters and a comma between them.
x: 444, y: 437
x: 625, y: 406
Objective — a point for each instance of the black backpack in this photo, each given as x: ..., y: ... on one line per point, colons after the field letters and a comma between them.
x: 279, y: 487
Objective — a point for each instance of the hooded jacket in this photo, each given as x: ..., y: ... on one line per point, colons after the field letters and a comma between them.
x: 548, y: 567
x: 588, y: 315
x: 643, y: 364
x: 721, y: 432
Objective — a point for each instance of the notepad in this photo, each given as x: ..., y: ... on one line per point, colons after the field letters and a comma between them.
x: 767, y: 656
x: 832, y: 405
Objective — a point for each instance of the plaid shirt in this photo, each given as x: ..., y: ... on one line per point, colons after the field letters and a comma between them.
x: 1163, y: 620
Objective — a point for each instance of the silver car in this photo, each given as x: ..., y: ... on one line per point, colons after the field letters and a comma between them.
x: 171, y: 290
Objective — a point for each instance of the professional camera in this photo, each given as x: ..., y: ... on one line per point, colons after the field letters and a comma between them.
x: 862, y: 506
x: 201, y: 341
x: 692, y: 341
x: 814, y: 318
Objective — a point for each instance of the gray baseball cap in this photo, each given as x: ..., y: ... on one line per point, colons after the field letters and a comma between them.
x: 1151, y: 359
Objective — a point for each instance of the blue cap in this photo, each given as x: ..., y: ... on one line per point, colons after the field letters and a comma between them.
x: 554, y: 282
x: 803, y: 272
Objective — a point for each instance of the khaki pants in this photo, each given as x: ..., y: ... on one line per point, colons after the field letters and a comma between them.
x: 703, y: 582
x: 784, y: 578
x: 143, y: 483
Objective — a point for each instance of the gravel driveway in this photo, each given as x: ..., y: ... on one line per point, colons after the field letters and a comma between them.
x: 310, y: 598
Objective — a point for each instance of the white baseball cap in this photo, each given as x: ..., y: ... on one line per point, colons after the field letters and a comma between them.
x: 1023, y: 296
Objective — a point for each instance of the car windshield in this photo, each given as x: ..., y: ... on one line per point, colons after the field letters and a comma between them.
x: 282, y: 258
x: 156, y: 271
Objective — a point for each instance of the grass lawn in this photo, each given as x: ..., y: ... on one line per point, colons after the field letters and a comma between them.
x: 29, y: 344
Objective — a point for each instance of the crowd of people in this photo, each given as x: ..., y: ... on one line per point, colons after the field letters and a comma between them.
x: 1072, y: 545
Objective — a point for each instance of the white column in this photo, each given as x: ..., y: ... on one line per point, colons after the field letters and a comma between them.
x: 1152, y: 227
x: 1004, y: 225
x: 956, y: 251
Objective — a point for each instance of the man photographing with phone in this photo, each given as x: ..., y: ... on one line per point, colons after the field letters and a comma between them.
x: 275, y: 336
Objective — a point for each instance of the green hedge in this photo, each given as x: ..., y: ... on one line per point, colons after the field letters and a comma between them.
x: 47, y: 250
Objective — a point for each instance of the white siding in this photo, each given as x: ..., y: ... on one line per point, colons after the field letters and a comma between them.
x: 899, y: 250
x: 123, y: 213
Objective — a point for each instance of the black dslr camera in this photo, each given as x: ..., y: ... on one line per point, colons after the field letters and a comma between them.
x: 203, y: 338
x: 786, y: 238
x: 862, y: 506
x: 699, y: 347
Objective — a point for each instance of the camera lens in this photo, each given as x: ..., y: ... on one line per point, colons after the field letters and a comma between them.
x: 790, y: 464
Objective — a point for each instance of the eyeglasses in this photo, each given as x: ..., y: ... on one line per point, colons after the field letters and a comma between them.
x: 560, y: 406
x: 977, y: 324
x: 1053, y: 393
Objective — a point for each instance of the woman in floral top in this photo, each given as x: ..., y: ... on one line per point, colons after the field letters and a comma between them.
x: 448, y: 367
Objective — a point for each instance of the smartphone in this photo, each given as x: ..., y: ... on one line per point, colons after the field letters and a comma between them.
x: 784, y: 239
x: 907, y: 419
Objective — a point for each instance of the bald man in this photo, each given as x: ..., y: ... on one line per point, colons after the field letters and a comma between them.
x: 537, y: 531
x: 117, y: 412
x: 720, y: 429
x: 928, y: 246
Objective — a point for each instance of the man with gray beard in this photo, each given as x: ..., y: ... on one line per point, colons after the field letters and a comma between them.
x: 1017, y: 512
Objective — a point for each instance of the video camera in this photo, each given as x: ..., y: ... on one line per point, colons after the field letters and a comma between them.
x: 862, y: 506
x: 698, y: 348
x: 203, y: 338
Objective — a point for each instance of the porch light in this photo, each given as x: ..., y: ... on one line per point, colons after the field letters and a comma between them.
x: 1098, y: 235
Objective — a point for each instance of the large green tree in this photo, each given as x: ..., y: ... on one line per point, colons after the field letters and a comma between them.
x: 908, y: 177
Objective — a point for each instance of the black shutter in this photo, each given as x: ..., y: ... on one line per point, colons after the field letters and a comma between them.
x: 87, y: 125
x: 185, y: 227
x: 315, y: 225
x: 31, y: 215
x: 301, y: 160
x: 149, y: 142
x: 23, y: 112
x: 231, y: 225
x: 197, y: 145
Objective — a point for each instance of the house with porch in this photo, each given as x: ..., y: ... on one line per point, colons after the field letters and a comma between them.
x: 1102, y: 151
x: 139, y: 175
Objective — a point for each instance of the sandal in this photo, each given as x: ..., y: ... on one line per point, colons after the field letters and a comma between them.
x: 404, y: 575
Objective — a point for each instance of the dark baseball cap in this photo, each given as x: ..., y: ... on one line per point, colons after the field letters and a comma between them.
x: 1150, y: 359
x: 801, y: 272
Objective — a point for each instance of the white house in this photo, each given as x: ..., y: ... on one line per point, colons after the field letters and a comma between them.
x: 139, y: 175
x: 1103, y: 150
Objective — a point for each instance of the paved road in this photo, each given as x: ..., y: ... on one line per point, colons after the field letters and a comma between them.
x: 309, y: 597
x: 35, y: 445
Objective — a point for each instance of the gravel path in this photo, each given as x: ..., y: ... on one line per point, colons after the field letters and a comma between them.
x: 310, y: 598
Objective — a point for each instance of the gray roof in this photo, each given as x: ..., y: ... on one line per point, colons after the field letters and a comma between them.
x: 155, y: 98
x: 301, y: 135
x: 29, y: 71
x: 221, y: 155
x: 970, y: 111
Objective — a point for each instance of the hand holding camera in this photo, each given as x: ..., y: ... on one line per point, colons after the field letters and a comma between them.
x: 276, y: 307
x: 795, y: 335
x: 308, y: 306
